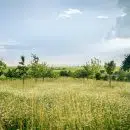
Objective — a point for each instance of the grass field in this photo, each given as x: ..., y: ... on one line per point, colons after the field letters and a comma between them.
x: 64, y: 104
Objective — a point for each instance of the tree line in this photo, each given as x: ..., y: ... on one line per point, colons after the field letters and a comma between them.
x: 91, y: 70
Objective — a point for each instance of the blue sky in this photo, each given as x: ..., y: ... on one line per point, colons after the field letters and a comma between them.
x: 62, y: 31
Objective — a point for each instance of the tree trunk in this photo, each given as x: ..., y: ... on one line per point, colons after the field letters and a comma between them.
x: 110, y: 80
x: 43, y: 79
x: 36, y: 80
x: 23, y: 81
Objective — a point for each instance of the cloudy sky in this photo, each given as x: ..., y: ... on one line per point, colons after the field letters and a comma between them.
x: 64, y: 31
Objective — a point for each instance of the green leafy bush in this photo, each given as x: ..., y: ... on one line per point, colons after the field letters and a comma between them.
x: 82, y: 73
x: 98, y: 76
x: 65, y: 73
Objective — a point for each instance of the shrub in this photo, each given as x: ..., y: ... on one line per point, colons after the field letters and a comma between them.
x: 114, y: 77
x: 3, y: 77
x: 128, y: 76
x: 92, y: 68
x: 102, y: 71
x: 65, y: 73
x: 51, y: 74
x: 122, y: 75
x: 82, y: 73
x: 98, y: 76
x: 105, y: 77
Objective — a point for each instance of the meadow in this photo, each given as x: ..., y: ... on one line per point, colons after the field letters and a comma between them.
x: 64, y: 104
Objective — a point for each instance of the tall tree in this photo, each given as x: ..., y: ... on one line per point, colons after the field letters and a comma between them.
x: 126, y: 63
x: 110, y: 67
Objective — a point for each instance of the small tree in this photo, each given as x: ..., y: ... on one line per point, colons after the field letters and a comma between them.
x: 34, y: 68
x: 43, y: 68
x: 22, y: 68
x: 126, y: 63
x: 110, y: 67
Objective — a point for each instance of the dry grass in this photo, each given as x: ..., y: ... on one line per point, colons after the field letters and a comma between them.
x: 64, y: 104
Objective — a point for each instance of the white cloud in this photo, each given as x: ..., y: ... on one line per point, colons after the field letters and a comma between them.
x: 68, y: 13
x: 123, y: 14
x: 102, y: 17
x: 117, y: 44
x: 72, y: 11
x: 64, y: 16
x: 8, y: 42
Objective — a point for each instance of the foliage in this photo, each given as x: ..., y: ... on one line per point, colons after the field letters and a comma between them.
x: 65, y: 73
x: 126, y: 63
x: 91, y: 70
x: 127, y: 76
x: 110, y: 67
x: 50, y: 73
x: 121, y: 75
x: 35, y: 67
x: 82, y: 73
x: 35, y: 59
x: 43, y: 69
x: 2, y: 67
x: 93, y: 67
x: 12, y: 73
x: 98, y: 76
x: 105, y: 77
x: 22, y: 68
x: 3, y: 77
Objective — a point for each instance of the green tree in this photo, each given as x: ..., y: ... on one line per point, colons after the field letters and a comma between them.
x: 110, y: 67
x: 126, y: 63
x: 22, y: 68
x: 93, y: 67
x: 2, y: 67
x: 34, y: 67
x: 43, y: 68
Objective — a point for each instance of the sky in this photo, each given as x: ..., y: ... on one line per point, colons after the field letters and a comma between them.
x: 64, y: 32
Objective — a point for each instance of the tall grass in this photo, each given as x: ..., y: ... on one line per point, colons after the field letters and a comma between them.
x: 64, y: 104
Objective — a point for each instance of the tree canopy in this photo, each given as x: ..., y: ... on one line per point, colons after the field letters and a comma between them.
x: 126, y: 63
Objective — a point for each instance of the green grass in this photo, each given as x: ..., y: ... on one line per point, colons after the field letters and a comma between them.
x: 64, y: 104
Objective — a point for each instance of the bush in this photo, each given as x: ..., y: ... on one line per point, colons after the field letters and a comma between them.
x: 51, y: 74
x: 3, y: 77
x: 102, y: 71
x: 122, y: 75
x: 105, y: 77
x: 65, y: 73
x: 128, y: 76
x: 98, y: 76
x: 114, y: 77
x: 80, y: 74
x: 55, y: 75
x: 92, y: 68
